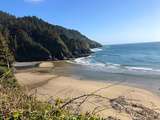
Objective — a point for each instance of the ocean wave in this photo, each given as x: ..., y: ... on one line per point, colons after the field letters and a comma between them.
x: 96, y: 49
x: 143, y: 69
x: 88, y: 61
x: 110, y: 67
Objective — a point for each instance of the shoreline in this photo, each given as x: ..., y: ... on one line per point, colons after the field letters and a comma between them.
x: 62, y: 67
x: 50, y: 85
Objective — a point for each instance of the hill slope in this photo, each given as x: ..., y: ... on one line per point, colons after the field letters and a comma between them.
x: 33, y: 39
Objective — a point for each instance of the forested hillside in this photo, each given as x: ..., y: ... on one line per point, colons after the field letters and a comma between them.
x: 33, y: 39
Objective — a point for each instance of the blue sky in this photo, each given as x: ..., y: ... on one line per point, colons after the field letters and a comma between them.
x: 106, y: 21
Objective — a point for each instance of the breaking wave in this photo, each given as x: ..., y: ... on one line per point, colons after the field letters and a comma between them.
x: 110, y: 67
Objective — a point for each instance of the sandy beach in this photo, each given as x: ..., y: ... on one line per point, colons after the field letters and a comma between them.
x: 51, y: 85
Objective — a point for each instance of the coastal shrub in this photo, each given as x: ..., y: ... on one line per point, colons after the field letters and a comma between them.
x: 2, y: 69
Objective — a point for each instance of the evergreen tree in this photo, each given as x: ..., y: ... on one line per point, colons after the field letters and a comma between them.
x: 6, y: 57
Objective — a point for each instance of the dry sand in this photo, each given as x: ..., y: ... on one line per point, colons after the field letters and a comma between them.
x: 46, y: 64
x: 48, y: 85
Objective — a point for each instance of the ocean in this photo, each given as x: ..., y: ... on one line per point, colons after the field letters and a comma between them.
x: 127, y: 58
x: 132, y: 64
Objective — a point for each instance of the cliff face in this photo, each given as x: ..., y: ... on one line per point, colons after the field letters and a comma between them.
x: 33, y: 39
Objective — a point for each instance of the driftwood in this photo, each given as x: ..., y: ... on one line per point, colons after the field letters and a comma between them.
x: 136, y: 111
x: 90, y: 94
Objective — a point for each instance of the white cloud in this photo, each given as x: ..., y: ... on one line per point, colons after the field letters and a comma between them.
x: 34, y: 1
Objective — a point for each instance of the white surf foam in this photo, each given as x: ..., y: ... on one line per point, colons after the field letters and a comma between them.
x: 87, y: 61
x: 96, y: 49
x: 143, y: 69
x: 110, y: 67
